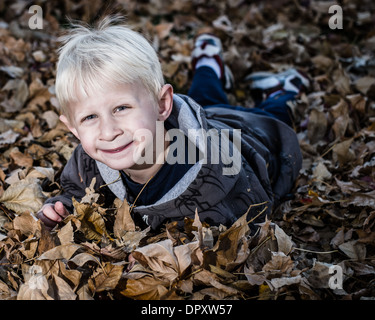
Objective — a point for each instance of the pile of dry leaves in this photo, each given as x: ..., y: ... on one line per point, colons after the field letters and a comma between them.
x: 328, y: 222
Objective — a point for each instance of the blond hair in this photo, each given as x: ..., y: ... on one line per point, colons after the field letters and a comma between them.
x: 110, y: 53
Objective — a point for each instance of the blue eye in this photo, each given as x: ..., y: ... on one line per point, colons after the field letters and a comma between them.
x: 120, y: 108
x: 90, y: 117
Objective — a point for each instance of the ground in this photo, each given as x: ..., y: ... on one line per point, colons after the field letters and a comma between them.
x: 319, y: 244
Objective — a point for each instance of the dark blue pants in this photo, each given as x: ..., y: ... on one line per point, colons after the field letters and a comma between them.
x: 207, y: 90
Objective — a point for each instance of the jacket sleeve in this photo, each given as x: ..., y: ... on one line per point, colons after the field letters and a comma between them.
x: 76, y: 177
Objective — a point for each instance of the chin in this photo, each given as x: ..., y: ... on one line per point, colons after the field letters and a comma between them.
x: 119, y: 167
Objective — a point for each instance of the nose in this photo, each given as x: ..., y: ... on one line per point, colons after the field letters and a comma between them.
x: 109, y: 130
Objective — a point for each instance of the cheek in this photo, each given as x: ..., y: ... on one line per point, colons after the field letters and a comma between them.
x: 143, y: 137
x: 144, y: 127
x: 87, y: 141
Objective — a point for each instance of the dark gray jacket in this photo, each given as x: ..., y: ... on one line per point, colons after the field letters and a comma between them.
x: 270, y: 163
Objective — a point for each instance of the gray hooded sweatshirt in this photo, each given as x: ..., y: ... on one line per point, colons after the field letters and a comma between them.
x: 255, y: 165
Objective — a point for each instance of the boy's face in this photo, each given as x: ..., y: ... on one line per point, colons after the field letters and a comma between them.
x: 108, y: 124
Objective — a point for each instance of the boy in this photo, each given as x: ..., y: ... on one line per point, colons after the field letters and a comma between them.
x: 136, y: 139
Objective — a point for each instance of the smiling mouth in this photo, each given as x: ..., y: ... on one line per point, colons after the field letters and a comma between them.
x: 117, y: 149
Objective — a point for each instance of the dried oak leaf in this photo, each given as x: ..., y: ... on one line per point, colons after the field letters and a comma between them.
x: 66, y: 234
x: 284, y: 242
x: 343, y: 153
x: 92, y: 222
x: 6, y: 293
x: 210, y: 279
x: 62, y: 290
x: 107, y: 277
x: 145, y: 288
x: 8, y: 137
x: 20, y: 93
x: 24, y: 195
x: 354, y: 249
x: 123, y: 222
x: 21, y: 159
x: 27, y: 225
x: 277, y: 283
x: 131, y: 239
x: 317, y: 125
x: 361, y: 199
x: 81, y: 258
x: 230, y: 243
x: 280, y: 264
x: 64, y: 251
x: 165, y: 261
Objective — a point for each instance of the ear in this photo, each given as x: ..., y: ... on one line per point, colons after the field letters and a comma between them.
x: 72, y: 129
x: 165, y: 102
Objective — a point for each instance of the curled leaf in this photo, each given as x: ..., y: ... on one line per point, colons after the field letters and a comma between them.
x: 24, y: 195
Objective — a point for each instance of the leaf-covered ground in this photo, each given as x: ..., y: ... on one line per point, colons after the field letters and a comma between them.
x: 328, y: 221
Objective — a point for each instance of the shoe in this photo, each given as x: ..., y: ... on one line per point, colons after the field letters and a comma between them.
x: 268, y: 83
x: 207, y: 45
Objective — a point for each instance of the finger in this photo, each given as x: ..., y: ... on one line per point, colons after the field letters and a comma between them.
x: 50, y: 213
x: 47, y: 222
x: 61, y: 210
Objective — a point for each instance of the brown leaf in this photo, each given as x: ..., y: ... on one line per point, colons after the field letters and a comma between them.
x: 318, y: 276
x: 277, y: 283
x: 317, y: 126
x: 358, y: 102
x: 65, y: 234
x: 20, y: 93
x: 81, y: 258
x: 210, y: 279
x: 64, y: 251
x: 341, y: 81
x: 252, y: 277
x: 21, y: 159
x: 124, y: 221
x: 8, y: 137
x: 184, y: 254
x: 343, y: 153
x: 29, y: 247
x: 107, y: 277
x: 27, y: 224
x: 284, y: 242
x: 73, y: 276
x: 146, y: 288
x: 6, y: 293
x: 63, y: 290
x: 163, y: 29
x: 131, y: 239
x: 361, y: 199
x: 160, y: 258
x: 363, y: 84
x: 51, y: 118
x: 84, y: 293
x: 280, y: 264
x: 91, y: 197
x: 166, y: 261
x: 227, y: 246
x: 354, y: 249
x: 25, y: 195
x: 92, y: 222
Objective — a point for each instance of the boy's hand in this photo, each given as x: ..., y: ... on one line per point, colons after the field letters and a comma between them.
x: 51, y: 214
